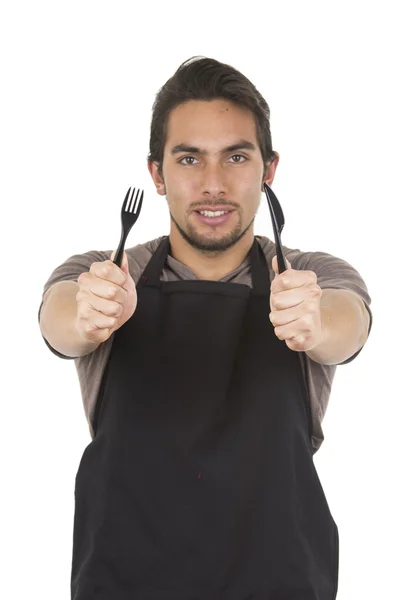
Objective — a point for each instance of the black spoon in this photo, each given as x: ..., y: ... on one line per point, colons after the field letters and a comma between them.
x: 278, y: 222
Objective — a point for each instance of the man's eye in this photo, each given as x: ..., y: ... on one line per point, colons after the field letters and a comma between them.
x: 240, y: 156
x: 185, y: 158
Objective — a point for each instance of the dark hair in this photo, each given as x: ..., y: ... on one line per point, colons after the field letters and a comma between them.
x: 200, y: 78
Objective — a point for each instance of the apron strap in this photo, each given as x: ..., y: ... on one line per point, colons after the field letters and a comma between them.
x: 260, y: 284
x: 151, y: 274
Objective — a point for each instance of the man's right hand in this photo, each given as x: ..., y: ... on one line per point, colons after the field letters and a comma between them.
x: 105, y: 301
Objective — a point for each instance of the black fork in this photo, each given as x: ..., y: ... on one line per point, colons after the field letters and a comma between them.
x: 129, y: 216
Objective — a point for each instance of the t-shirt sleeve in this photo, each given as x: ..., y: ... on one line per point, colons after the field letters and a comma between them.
x: 70, y: 270
x: 336, y: 273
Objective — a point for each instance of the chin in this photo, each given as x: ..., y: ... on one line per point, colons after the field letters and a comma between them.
x: 212, y: 241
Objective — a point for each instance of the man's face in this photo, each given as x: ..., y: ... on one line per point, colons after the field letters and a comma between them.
x: 202, y: 171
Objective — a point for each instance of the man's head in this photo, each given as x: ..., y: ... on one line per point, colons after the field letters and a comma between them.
x: 211, y: 147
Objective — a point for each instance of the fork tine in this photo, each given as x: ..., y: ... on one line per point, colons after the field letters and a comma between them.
x: 126, y: 198
x: 133, y: 201
x: 130, y: 205
x: 138, y: 203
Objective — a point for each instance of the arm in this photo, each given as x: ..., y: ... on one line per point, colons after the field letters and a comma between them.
x: 57, y: 320
x: 345, y: 324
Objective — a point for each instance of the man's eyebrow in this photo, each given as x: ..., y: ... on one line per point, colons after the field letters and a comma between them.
x: 240, y: 145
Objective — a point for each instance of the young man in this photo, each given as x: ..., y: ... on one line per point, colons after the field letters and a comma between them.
x: 199, y: 482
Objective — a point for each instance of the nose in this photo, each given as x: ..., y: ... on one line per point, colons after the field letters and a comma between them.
x: 214, y: 181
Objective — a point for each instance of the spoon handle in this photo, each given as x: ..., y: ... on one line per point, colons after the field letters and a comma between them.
x: 274, y: 206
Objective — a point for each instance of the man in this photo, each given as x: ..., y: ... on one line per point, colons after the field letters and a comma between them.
x: 199, y: 482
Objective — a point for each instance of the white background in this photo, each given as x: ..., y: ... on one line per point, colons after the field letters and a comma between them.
x: 78, y: 82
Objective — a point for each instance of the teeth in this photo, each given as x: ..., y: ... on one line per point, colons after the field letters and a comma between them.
x: 210, y: 213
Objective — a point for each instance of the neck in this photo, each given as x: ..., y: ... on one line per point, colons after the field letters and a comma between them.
x: 210, y: 266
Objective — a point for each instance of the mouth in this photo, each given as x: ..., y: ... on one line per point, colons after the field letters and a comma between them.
x: 214, y: 216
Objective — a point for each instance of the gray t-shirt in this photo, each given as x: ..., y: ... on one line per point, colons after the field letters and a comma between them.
x: 332, y: 272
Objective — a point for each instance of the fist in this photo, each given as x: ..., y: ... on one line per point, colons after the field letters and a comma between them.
x: 295, y: 308
x: 105, y: 301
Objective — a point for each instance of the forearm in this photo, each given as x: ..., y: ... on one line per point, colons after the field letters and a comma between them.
x: 345, y: 323
x: 57, y: 319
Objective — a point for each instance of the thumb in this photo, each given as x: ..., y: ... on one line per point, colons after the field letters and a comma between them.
x: 275, y: 264
x: 124, y: 263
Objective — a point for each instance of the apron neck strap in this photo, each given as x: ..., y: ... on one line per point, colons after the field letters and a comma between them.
x: 259, y: 268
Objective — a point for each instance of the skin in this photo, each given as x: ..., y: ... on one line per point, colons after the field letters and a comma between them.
x: 211, y: 178
x: 295, y: 302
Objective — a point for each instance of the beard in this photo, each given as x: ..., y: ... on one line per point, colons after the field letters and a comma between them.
x: 214, y: 246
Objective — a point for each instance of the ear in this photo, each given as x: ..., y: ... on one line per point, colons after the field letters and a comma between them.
x: 271, y: 167
x: 153, y: 168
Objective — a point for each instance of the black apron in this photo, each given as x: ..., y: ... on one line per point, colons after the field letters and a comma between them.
x: 199, y: 483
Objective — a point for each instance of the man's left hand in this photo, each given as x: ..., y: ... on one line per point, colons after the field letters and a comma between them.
x: 295, y: 308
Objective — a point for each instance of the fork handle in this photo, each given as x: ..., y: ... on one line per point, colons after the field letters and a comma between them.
x: 118, y: 257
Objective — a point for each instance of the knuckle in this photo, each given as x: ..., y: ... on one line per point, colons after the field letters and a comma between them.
x: 87, y: 328
x: 318, y: 290
x: 277, y: 302
x: 116, y: 309
x: 311, y: 276
x: 107, y: 267
x: 92, y: 335
x: 95, y: 266
x: 284, y: 281
x: 315, y: 291
x: 109, y: 323
x: 278, y: 333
